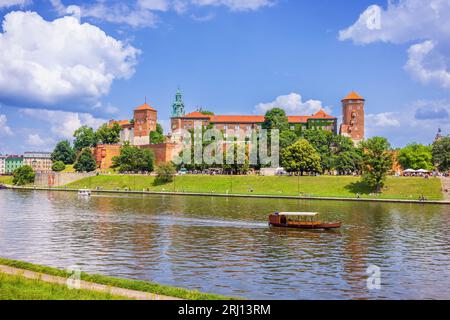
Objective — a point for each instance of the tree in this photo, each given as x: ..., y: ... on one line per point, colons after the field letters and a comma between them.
x: 416, y: 156
x: 109, y: 134
x: 441, y: 154
x: 377, y: 161
x: 63, y: 152
x: 133, y: 159
x: 287, y: 138
x: 85, y: 161
x: 347, y: 162
x: 276, y: 119
x: 322, y: 141
x: 165, y: 173
x: 84, y: 137
x: 23, y: 175
x: 301, y: 157
x: 58, y: 166
x: 158, y: 135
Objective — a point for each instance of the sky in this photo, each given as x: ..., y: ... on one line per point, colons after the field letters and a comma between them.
x: 67, y: 63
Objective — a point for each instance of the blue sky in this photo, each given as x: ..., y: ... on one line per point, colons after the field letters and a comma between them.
x: 68, y: 63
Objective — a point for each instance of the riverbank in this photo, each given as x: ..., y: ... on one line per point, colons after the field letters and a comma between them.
x: 321, y: 187
x: 23, y: 280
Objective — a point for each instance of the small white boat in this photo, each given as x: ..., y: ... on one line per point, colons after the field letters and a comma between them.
x: 84, y: 192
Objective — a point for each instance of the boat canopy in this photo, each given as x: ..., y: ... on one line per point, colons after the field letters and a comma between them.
x: 299, y: 214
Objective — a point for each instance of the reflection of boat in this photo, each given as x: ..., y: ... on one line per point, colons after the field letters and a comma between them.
x: 84, y: 192
x: 300, y: 220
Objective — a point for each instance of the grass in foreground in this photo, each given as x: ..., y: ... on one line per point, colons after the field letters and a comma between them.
x: 14, y: 287
x: 118, y: 282
x: 6, y: 179
x: 322, y: 186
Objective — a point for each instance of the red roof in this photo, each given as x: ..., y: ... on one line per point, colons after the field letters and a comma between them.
x: 298, y: 119
x: 353, y: 96
x: 237, y: 119
x: 197, y: 115
x: 321, y: 114
x: 145, y: 106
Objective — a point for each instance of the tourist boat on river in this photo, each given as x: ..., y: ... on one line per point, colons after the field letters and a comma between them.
x: 84, y: 192
x: 301, y: 220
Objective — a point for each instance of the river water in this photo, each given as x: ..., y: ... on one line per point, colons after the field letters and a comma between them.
x: 224, y: 246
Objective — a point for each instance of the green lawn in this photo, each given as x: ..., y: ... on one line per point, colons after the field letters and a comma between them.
x: 144, y: 286
x: 6, y: 179
x: 20, y: 288
x: 69, y: 168
x: 322, y: 186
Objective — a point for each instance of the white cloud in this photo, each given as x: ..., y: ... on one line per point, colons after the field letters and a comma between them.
x: 425, y: 24
x: 382, y: 120
x: 143, y: 13
x: 4, y: 129
x: 10, y: 3
x: 35, y: 140
x: 293, y: 105
x: 63, y: 124
x: 415, y: 122
x: 58, y: 64
x: 157, y: 5
x: 421, y: 57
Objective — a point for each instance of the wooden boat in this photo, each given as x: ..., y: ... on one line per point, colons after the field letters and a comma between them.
x: 301, y: 220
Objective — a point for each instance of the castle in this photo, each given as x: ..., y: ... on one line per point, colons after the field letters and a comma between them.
x: 137, y: 131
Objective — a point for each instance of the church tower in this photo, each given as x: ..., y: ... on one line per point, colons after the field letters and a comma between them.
x: 353, y: 117
x: 178, y: 106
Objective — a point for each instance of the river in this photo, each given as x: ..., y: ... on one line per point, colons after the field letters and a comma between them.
x: 224, y: 246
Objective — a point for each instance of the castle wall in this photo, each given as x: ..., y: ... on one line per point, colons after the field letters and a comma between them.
x: 104, y: 153
x: 56, y: 179
x: 164, y: 152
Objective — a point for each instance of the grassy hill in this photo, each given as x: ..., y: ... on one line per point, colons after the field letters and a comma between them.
x: 322, y: 186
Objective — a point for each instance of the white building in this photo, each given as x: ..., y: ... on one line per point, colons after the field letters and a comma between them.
x: 2, y: 164
x: 39, y: 161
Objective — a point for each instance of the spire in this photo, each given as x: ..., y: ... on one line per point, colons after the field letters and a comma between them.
x: 178, y: 105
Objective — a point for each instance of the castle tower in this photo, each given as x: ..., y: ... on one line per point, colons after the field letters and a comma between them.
x: 177, y: 112
x: 145, y: 119
x: 178, y: 106
x: 353, y: 117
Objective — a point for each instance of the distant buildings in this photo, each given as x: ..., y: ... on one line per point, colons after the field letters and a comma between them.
x: 2, y: 164
x: 39, y: 161
x: 12, y: 162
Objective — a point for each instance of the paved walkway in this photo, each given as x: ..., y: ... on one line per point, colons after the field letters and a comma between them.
x: 131, y: 294
x: 446, y: 186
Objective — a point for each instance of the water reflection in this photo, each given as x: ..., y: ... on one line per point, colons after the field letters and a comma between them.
x: 224, y: 246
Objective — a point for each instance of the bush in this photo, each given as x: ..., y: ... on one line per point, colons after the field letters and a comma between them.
x: 165, y: 173
x: 58, y: 166
x: 23, y: 175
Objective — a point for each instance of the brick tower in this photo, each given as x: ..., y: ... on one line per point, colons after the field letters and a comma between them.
x: 145, y: 118
x: 353, y: 117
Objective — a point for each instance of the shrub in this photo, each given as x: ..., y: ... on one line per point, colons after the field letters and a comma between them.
x: 58, y: 166
x: 23, y: 175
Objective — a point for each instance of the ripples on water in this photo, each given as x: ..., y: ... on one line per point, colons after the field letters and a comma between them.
x: 224, y: 245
